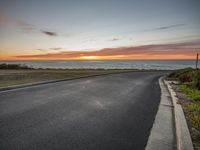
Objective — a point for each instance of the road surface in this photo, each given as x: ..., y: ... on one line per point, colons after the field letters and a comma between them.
x: 113, y: 112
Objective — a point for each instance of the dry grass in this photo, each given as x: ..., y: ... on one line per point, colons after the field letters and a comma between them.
x: 22, y: 76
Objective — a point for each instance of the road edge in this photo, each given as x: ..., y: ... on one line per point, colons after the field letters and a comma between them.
x: 159, y: 138
x: 183, y: 137
x: 2, y: 89
x: 162, y: 134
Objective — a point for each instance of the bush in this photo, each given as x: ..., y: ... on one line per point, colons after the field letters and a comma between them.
x: 185, y: 78
x: 178, y: 73
x: 197, y: 80
x: 14, y: 66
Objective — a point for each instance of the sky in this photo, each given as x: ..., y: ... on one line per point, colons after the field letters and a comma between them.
x: 99, y: 29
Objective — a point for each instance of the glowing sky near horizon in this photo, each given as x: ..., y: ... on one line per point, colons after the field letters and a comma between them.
x: 99, y: 29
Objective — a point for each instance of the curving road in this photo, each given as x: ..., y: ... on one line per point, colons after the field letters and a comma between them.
x: 112, y: 112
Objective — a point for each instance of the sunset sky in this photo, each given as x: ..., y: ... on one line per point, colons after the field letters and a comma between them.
x: 99, y: 29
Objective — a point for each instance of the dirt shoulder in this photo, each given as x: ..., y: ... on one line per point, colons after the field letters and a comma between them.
x: 10, y: 77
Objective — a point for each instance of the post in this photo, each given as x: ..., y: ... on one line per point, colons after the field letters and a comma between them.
x: 197, y: 60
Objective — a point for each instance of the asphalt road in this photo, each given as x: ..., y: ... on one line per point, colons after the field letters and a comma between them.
x: 113, y: 112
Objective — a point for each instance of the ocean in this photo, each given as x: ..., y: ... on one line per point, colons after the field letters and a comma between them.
x: 108, y: 64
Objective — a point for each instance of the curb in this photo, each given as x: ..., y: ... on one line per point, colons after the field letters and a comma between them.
x: 54, y: 81
x: 183, y: 138
x: 162, y: 135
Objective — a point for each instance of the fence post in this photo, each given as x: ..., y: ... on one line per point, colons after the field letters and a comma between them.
x: 197, y: 60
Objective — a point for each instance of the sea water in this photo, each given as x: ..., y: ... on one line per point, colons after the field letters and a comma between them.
x: 108, y: 64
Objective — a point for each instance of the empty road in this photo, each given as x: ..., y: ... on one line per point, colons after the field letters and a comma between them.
x: 112, y: 112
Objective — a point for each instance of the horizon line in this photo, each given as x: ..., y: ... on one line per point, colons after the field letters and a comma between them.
x: 92, y: 59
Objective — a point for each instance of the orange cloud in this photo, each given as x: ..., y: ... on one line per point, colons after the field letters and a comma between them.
x: 146, y: 52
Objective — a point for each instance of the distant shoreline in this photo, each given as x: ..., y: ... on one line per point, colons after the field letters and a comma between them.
x: 112, y: 64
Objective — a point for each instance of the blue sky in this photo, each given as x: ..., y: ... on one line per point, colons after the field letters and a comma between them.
x: 49, y: 26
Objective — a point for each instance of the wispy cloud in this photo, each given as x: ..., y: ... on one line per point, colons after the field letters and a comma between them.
x: 22, y: 23
x: 29, y: 28
x: 26, y: 27
x: 49, y: 33
x: 169, y: 27
x: 157, y: 51
x: 162, y: 28
x: 42, y: 50
x: 56, y: 48
x: 114, y: 39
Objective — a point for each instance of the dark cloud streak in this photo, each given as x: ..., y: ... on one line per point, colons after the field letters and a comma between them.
x: 56, y: 48
x: 49, y: 33
x: 41, y: 50
x: 50, y: 49
x: 169, y: 27
x: 114, y: 39
x: 26, y: 27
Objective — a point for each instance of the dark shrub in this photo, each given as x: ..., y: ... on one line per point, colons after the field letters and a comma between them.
x: 186, y: 78
x: 197, y: 80
x: 13, y: 66
x: 178, y: 73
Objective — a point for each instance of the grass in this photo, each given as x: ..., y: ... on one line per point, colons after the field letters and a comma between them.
x: 190, y: 81
x: 192, y: 111
x: 23, y: 74
x: 191, y: 92
x: 190, y: 85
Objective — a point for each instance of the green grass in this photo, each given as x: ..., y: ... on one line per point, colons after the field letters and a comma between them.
x: 190, y: 81
x: 189, y: 76
x: 190, y: 85
x: 191, y: 92
x: 193, y: 114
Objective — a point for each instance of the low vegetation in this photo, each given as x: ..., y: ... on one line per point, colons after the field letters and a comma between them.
x: 12, y: 74
x: 189, y: 81
x: 14, y: 66
x: 193, y: 93
x: 189, y: 84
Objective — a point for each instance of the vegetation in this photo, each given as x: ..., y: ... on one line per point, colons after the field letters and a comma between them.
x: 190, y: 91
x: 190, y: 85
x: 14, y: 66
x: 194, y: 113
x: 21, y: 74
x: 190, y: 81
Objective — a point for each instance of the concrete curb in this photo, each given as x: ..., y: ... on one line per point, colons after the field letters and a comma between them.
x: 54, y: 81
x: 162, y: 135
x: 183, y: 138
